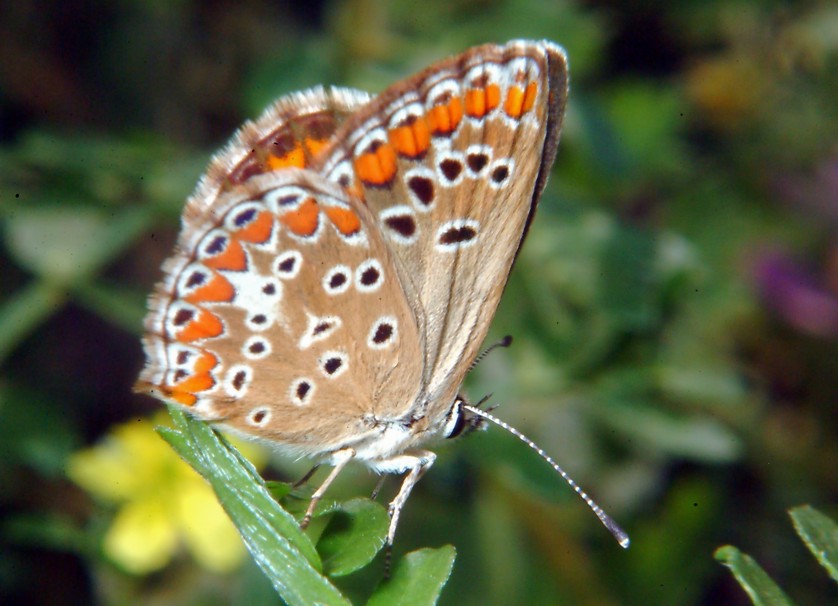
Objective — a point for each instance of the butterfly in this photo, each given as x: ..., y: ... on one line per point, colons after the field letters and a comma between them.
x: 341, y: 260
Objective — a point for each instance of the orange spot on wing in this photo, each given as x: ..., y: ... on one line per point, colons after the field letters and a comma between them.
x: 402, y: 139
x: 258, y: 230
x: 303, y: 220
x: 233, y: 258
x: 377, y: 167
x: 205, y: 363
x: 476, y: 102
x: 514, y: 102
x: 411, y: 140
x: 204, y: 326
x: 443, y: 119
x: 294, y: 158
x: 529, y: 96
x: 196, y: 382
x: 346, y: 221
x: 315, y: 146
x: 492, y: 97
x: 182, y: 398
x: 218, y: 289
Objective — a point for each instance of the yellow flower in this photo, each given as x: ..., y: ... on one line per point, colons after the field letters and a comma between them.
x: 162, y: 502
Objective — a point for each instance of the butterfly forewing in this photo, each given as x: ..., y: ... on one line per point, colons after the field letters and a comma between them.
x: 451, y: 162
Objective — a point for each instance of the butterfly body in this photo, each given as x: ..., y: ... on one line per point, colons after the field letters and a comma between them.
x: 340, y: 262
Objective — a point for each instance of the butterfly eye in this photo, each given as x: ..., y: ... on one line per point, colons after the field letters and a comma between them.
x: 455, y: 421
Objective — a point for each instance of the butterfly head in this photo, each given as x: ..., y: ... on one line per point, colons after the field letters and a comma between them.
x: 460, y: 421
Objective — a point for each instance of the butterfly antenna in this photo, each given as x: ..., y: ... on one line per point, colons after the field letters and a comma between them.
x: 505, y: 342
x: 607, y: 521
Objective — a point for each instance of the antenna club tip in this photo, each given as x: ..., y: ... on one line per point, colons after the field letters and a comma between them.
x: 624, y: 542
x: 506, y: 341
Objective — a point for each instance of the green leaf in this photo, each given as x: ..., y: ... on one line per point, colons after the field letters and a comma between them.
x: 25, y: 310
x: 820, y: 534
x: 356, y: 532
x: 695, y: 437
x: 279, y: 490
x: 279, y: 547
x: 66, y: 244
x: 753, y: 579
x: 629, y: 281
x: 417, y: 580
x: 124, y: 307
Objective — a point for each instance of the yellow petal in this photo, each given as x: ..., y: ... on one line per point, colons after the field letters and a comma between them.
x: 142, y: 537
x: 210, y: 535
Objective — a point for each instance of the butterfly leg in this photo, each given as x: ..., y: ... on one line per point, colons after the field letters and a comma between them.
x: 306, y: 477
x: 415, y: 464
x: 378, y: 487
x: 340, y: 459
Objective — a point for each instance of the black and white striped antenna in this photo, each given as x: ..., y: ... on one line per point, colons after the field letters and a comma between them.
x: 607, y: 521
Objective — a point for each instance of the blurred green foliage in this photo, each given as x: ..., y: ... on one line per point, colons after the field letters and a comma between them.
x: 675, y: 307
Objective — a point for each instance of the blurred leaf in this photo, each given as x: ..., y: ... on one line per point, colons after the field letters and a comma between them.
x: 628, y: 281
x: 820, y: 534
x: 125, y: 308
x: 417, y: 580
x: 38, y: 442
x: 700, y: 438
x: 354, y: 535
x: 712, y: 386
x: 25, y: 310
x: 272, y: 536
x: 753, y: 579
x: 66, y: 244
x: 49, y: 531
x: 647, y: 119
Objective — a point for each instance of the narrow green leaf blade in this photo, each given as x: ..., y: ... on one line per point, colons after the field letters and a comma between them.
x: 753, y: 579
x: 356, y: 532
x: 820, y: 534
x: 418, y: 578
x: 272, y: 536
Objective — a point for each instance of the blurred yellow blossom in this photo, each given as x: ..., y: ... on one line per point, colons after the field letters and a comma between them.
x: 162, y: 502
